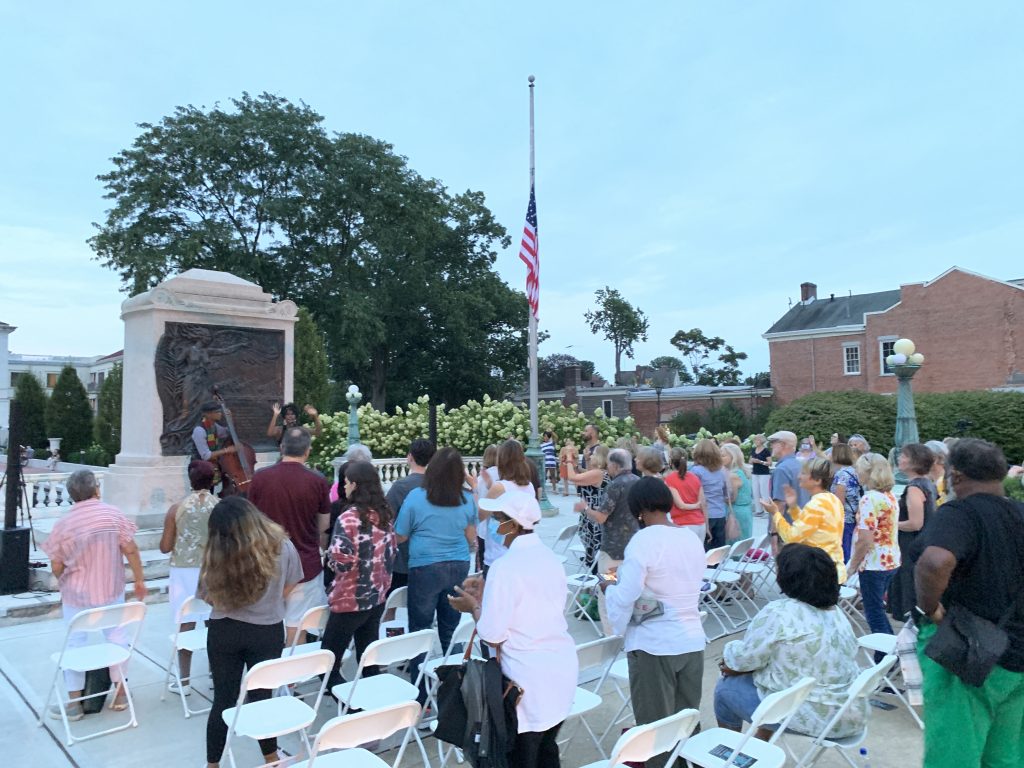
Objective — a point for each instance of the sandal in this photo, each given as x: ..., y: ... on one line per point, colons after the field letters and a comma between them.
x: 119, y: 704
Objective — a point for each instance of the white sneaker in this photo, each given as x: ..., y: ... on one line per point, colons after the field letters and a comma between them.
x: 186, y: 689
x: 74, y: 710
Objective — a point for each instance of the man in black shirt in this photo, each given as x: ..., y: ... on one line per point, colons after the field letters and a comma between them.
x: 973, y: 557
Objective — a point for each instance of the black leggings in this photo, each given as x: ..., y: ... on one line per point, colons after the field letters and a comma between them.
x: 364, y: 626
x: 233, y: 646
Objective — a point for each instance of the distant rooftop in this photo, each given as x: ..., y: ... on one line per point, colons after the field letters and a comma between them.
x: 833, y: 312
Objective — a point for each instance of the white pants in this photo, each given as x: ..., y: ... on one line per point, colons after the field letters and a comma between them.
x: 75, y: 681
x: 700, y: 531
x: 762, y: 488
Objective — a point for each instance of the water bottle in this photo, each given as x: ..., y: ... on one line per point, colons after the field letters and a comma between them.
x: 864, y: 762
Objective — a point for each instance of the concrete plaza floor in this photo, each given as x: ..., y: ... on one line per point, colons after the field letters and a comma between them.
x: 165, y: 737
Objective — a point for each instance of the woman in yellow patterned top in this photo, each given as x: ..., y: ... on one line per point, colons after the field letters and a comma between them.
x: 819, y: 522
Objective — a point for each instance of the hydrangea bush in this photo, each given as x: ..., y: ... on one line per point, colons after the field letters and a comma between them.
x: 471, y: 427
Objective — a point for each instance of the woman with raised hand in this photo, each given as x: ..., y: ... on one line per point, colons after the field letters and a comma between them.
x: 819, y: 522
x: 249, y: 567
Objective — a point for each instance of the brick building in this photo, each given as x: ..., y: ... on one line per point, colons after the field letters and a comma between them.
x: 967, y: 326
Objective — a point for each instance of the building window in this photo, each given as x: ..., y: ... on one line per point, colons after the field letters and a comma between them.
x: 51, y: 380
x: 884, y: 350
x: 606, y: 406
x: 15, y: 375
x: 851, y: 359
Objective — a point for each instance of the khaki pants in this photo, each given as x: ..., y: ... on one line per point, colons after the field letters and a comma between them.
x: 604, y: 564
x: 663, y: 685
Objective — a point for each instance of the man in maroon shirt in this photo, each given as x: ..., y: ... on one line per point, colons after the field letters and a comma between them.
x: 297, y: 499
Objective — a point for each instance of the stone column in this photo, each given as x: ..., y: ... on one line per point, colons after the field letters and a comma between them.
x: 145, y: 480
x: 6, y: 390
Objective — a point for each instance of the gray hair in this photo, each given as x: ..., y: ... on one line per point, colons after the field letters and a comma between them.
x: 358, y: 452
x: 295, y: 442
x: 939, y: 450
x: 621, y: 458
x: 82, y: 485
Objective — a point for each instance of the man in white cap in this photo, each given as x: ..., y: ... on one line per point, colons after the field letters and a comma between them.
x: 785, y: 473
x: 521, y: 608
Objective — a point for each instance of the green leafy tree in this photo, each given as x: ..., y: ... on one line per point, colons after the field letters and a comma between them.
x: 621, y: 323
x: 68, y: 414
x: 312, y: 377
x: 699, y: 350
x: 551, y: 370
x: 108, y: 412
x: 31, y: 399
x: 761, y: 380
x: 397, y: 271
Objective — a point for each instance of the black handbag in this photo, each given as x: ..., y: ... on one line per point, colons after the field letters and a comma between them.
x: 968, y: 645
x: 476, y: 709
x: 97, y: 681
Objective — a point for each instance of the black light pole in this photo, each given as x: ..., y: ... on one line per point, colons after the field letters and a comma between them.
x: 657, y: 392
x: 13, y: 540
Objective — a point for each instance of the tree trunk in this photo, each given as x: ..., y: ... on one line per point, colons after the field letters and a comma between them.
x: 618, y: 360
x: 380, y: 375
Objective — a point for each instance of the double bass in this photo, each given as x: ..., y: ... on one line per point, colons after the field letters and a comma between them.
x: 236, y: 468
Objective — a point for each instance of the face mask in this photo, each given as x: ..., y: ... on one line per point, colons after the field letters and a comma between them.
x: 500, y: 525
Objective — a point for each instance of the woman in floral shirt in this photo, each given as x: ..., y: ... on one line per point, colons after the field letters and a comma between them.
x: 361, y: 554
x: 876, y: 554
x: 804, y: 634
x: 846, y: 486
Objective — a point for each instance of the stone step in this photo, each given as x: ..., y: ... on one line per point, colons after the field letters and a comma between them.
x: 155, y: 565
x: 41, y: 606
x: 150, y: 527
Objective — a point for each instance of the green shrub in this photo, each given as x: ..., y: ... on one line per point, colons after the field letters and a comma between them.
x: 95, y: 456
x: 68, y: 414
x: 726, y: 418
x: 685, y: 422
x: 993, y: 416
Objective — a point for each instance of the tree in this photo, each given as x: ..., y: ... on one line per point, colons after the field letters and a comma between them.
x: 68, y: 414
x: 312, y: 378
x: 761, y: 380
x: 698, y: 350
x: 108, y: 412
x: 397, y: 271
x: 551, y: 370
x: 31, y: 399
x: 674, y: 363
x: 621, y: 323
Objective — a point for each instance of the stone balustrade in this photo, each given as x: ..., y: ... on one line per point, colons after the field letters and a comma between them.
x: 48, y: 494
x: 394, y: 469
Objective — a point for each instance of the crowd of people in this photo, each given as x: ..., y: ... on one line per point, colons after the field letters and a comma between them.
x: 949, y: 541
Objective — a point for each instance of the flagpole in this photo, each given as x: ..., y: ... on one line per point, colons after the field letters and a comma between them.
x: 533, y: 451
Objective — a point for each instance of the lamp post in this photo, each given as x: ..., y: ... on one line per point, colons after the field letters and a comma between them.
x: 354, y: 396
x: 905, y: 362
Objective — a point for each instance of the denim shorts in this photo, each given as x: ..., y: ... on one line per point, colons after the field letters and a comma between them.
x: 736, y: 698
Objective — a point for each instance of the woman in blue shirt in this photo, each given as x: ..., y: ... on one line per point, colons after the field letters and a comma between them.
x: 707, y: 459
x: 439, y: 521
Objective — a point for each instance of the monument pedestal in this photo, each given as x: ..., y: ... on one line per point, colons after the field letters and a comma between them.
x: 193, y: 332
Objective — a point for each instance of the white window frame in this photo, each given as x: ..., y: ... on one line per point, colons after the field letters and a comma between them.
x: 846, y: 359
x: 883, y: 369
x: 606, y: 406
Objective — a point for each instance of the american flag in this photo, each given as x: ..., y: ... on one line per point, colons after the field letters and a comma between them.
x: 528, y: 253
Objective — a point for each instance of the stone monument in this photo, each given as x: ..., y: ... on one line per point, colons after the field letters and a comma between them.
x: 192, y: 333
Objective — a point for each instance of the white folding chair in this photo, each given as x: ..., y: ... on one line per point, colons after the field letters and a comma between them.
x: 642, y: 742
x: 276, y: 716
x: 565, y: 538
x: 386, y: 689
x: 762, y: 567
x: 192, y: 611
x: 123, y: 617
x: 883, y: 643
x: 313, y: 621
x: 595, y: 658
x: 733, y: 563
x: 719, y: 582
x: 720, y: 747
x: 396, y: 614
x: 577, y: 585
x: 863, y: 686
x: 619, y: 675
x: 850, y: 603
x: 347, y: 732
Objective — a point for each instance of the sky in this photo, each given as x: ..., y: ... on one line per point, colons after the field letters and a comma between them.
x: 702, y: 158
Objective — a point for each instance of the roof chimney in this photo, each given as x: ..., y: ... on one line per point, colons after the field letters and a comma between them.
x: 808, y: 292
